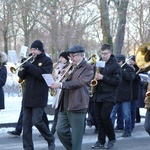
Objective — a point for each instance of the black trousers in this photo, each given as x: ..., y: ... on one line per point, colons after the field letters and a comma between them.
x: 33, y: 116
x: 104, y: 123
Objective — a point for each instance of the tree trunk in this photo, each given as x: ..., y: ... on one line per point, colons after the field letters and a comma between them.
x: 122, y: 10
x: 105, y: 22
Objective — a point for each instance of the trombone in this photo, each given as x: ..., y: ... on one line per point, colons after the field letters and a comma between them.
x: 13, y: 69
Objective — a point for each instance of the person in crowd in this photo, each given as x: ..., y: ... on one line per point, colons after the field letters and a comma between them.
x: 109, y: 79
x: 91, y: 120
x: 63, y: 62
x: 147, y: 106
x: 124, y: 95
x: 119, y: 120
x: 74, y: 100
x: 135, y: 89
x: 3, y: 78
x: 35, y: 95
x: 19, y: 125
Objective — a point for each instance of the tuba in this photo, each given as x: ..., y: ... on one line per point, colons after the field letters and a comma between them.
x: 143, y: 62
x: 143, y: 57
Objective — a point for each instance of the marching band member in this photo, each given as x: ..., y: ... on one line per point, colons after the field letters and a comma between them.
x: 63, y: 62
x: 74, y: 100
x: 109, y: 80
x: 35, y: 95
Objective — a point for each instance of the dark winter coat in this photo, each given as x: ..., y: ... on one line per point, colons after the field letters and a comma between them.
x: 125, y: 88
x: 106, y: 89
x: 78, y: 87
x: 3, y: 77
x: 36, y: 89
x: 136, y: 83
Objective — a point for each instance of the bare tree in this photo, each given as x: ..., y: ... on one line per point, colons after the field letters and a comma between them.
x: 5, y: 20
x: 66, y: 22
x: 122, y: 11
x: 23, y: 17
x: 105, y: 22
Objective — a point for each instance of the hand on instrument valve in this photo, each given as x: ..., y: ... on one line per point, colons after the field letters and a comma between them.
x: 56, y: 85
x: 99, y: 76
x: 26, y: 65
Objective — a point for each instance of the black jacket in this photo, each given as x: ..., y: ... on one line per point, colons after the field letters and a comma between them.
x: 125, y: 88
x: 136, y: 83
x: 36, y: 89
x: 106, y: 89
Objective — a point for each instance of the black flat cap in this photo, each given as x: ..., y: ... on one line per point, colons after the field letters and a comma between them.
x: 76, y: 49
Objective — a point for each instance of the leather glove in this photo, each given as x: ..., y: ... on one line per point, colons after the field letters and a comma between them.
x: 26, y: 65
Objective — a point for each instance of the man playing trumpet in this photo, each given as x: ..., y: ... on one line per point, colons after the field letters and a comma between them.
x: 35, y: 95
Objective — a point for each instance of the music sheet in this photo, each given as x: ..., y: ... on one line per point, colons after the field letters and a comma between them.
x: 144, y: 77
x: 48, y: 79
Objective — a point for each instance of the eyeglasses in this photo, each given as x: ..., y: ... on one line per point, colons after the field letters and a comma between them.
x: 72, y: 55
x: 104, y: 53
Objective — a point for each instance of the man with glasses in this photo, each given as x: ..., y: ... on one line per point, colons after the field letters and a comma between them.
x: 109, y: 79
x: 74, y: 100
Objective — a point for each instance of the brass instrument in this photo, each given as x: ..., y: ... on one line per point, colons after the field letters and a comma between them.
x: 143, y: 57
x: 143, y: 62
x: 14, y: 70
x: 92, y: 60
x: 63, y: 78
x: 94, y: 82
x: 126, y: 61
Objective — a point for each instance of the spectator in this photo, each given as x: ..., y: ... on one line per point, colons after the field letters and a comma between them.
x: 3, y: 78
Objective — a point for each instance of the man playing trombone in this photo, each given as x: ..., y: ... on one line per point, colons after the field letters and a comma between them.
x: 35, y: 95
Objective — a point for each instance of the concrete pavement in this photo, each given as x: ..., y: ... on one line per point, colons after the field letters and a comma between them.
x: 138, y: 141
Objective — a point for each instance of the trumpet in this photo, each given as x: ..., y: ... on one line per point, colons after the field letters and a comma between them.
x: 63, y: 78
x: 14, y: 70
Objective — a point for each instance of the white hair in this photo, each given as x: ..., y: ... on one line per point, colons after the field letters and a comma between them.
x: 3, y: 57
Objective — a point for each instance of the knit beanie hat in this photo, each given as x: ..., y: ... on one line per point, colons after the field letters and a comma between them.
x: 120, y: 58
x: 65, y: 55
x: 38, y: 45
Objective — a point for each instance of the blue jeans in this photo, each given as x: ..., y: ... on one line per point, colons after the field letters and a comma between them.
x: 126, y: 109
x: 117, y: 109
x: 133, y: 113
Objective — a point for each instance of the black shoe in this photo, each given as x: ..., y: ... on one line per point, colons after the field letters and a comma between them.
x: 14, y: 133
x: 119, y: 129
x: 110, y: 144
x: 126, y: 134
x: 51, y: 146
x: 89, y: 123
x: 97, y: 145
